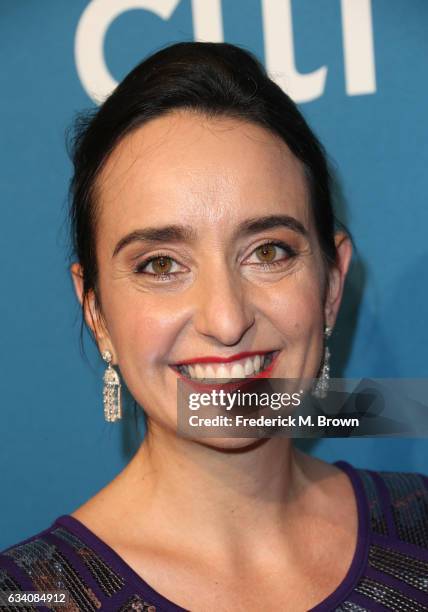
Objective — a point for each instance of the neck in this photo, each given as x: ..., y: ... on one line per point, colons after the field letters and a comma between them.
x: 213, y: 495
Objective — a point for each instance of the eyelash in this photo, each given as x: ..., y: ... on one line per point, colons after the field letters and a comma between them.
x: 278, y: 243
x: 157, y: 276
x: 169, y: 275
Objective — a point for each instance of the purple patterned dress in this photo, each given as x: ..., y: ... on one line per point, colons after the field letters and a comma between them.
x: 389, y: 570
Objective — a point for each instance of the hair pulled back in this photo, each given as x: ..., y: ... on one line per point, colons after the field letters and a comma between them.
x: 216, y: 79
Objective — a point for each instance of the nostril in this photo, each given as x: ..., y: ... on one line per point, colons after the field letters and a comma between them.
x: 223, y: 312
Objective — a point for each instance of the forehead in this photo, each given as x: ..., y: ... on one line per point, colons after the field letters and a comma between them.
x: 187, y: 168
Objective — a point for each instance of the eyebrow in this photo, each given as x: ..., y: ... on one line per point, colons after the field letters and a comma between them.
x: 167, y: 233
x: 185, y: 233
x: 259, y: 224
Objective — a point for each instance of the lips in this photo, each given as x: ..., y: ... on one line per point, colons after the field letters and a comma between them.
x: 245, y: 365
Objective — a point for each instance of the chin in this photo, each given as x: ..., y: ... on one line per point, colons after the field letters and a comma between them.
x: 230, y: 444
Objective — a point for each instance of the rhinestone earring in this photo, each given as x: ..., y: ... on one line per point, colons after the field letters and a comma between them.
x: 112, y: 391
x: 322, y: 384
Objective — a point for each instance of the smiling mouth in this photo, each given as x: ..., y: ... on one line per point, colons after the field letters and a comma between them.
x: 248, y: 367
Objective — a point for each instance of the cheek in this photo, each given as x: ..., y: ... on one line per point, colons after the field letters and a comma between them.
x: 297, y: 314
x: 142, y: 329
x: 295, y: 305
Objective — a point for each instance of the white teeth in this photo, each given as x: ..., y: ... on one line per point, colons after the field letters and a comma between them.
x: 237, y: 371
x: 209, y: 372
x: 222, y: 372
x: 248, y: 367
x: 199, y: 371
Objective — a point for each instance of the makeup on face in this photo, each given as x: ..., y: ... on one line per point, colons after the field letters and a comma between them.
x: 208, y: 271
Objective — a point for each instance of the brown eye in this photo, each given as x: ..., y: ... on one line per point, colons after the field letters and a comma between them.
x: 266, y: 252
x: 271, y: 254
x: 161, y: 265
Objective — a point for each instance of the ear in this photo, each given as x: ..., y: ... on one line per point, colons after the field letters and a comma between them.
x: 337, y: 276
x: 92, y: 315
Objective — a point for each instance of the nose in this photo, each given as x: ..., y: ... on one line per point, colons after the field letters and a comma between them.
x: 223, y: 309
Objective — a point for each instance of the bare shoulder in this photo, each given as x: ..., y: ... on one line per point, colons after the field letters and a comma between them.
x: 115, y: 513
x: 327, y: 503
x: 97, y: 512
x: 325, y: 478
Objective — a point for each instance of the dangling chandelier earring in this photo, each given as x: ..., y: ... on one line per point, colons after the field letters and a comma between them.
x: 111, y: 391
x: 322, y: 384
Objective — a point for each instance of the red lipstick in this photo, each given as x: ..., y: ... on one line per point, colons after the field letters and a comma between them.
x: 233, y: 385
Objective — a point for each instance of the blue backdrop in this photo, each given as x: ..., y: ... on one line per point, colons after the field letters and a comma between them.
x: 358, y: 70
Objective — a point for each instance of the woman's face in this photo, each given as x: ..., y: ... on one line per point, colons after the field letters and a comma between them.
x: 207, y: 249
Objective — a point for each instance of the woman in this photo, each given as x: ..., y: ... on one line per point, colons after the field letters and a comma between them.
x: 205, y: 241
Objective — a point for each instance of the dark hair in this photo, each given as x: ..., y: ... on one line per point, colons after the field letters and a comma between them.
x: 216, y: 79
